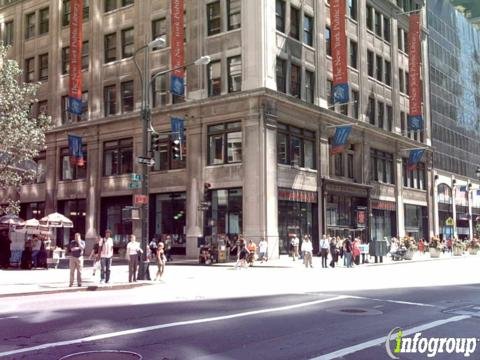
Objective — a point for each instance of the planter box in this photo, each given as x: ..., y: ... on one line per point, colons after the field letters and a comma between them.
x: 457, y: 252
x: 409, y: 255
x: 434, y: 253
x: 473, y: 251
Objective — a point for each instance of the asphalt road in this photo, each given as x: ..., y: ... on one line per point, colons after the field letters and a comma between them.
x: 291, y: 326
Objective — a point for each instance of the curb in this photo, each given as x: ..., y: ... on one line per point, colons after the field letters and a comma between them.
x: 78, y: 289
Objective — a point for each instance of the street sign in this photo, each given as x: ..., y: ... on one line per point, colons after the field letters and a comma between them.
x: 145, y: 161
x: 203, y: 208
x: 449, y: 222
x: 135, y: 185
x: 136, y: 177
x: 140, y: 199
x: 206, y: 203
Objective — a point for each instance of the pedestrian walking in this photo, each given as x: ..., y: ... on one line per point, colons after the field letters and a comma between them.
x: 168, y: 248
x: 5, y: 251
x: 294, y: 243
x: 133, y: 253
x: 307, y: 251
x: 36, y: 246
x: 153, y: 248
x: 347, y: 251
x: 242, y: 256
x: 324, y: 245
x: 356, y: 251
x: 161, y: 260
x: 333, y: 252
x: 95, y: 255
x: 77, y: 246
x: 106, y: 254
x: 263, y: 250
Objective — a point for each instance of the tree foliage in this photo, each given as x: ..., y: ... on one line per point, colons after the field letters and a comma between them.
x: 22, y: 135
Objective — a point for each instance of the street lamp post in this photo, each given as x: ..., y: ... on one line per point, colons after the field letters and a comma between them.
x: 146, y: 83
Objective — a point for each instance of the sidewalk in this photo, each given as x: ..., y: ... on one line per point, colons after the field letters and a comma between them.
x: 16, y: 282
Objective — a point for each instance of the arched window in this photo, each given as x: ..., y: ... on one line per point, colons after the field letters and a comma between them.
x: 444, y: 194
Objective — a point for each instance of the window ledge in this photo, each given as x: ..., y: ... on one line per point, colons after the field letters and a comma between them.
x: 71, y: 181
x: 213, y: 166
x: 298, y: 168
x: 154, y: 172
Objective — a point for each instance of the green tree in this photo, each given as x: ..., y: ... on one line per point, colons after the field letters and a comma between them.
x: 22, y: 136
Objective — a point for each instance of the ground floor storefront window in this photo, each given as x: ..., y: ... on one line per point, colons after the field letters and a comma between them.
x: 34, y: 210
x: 416, y: 221
x: 445, y: 221
x: 224, y: 216
x: 346, y: 216
x: 111, y: 217
x: 297, y: 215
x: 170, y: 219
x: 383, y: 224
x: 75, y: 210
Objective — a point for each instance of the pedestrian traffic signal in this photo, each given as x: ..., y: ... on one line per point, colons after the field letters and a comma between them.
x: 176, y: 146
x: 155, y: 142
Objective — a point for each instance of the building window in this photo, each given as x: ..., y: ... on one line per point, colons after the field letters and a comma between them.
x: 127, y: 2
x: 69, y: 170
x: 388, y: 73
x: 371, y: 110
x: 8, y: 33
x: 352, y: 9
x: 214, y: 78
x: 29, y: 25
x: 370, y: 65
x: 378, y: 23
x: 110, y: 5
x: 67, y: 116
x: 369, y: 17
x: 386, y: 29
x: 281, y: 75
x: 65, y: 12
x: 29, y: 70
x: 389, y: 118
x: 379, y: 63
x: 85, y: 55
x: 118, y: 157
x: 160, y: 91
x: 403, y: 123
x: 414, y: 178
x: 405, y: 40
x: 308, y: 30
x: 407, y: 83
x: 43, y: 107
x: 65, y: 60
x: 328, y: 45
x: 350, y: 164
x: 382, y: 166
x: 380, y: 114
x: 295, y: 146
x: 159, y: 30
x: 41, y: 168
x: 355, y: 105
x: 295, y: 80
x: 234, y: 14
x: 225, y: 214
x: 126, y: 94
x: 295, y: 23
x: 43, y: 21
x: 110, y: 100
x: 43, y: 67
x: 165, y: 156
x: 338, y: 165
x: 214, y: 18
x: 401, y: 80
x: 329, y: 91
x: 127, y: 43
x: 234, y: 73
x: 280, y: 15
x: 84, y: 115
x: 309, y: 86
x: 353, y: 54
x: 225, y: 143
x: 110, y: 47
x: 400, y: 39
x: 86, y: 9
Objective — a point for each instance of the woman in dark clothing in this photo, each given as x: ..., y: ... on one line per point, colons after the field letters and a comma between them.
x: 333, y: 252
x: 27, y: 256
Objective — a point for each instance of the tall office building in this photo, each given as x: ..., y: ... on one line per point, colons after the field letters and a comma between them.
x: 259, y: 120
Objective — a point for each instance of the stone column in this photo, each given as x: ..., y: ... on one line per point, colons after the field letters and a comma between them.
x: 399, y: 195
x: 92, y: 219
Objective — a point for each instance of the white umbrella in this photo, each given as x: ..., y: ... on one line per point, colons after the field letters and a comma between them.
x: 11, y: 220
x: 32, y: 226
x: 56, y: 220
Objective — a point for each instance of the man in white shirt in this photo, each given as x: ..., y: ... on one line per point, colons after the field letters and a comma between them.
x: 132, y: 254
x: 324, y: 245
x: 307, y: 250
x: 106, y: 254
x: 262, y: 252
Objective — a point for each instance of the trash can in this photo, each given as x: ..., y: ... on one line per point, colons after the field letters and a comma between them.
x: 378, y: 248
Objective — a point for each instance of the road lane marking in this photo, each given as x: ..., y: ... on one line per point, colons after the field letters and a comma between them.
x: 368, y: 344
x: 393, y: 301
x: 168, y: 325
x: 9, y: 317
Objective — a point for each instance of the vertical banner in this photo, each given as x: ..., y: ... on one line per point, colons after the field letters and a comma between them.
x: 75, y: 105
x: 340, y: 139
x: 361, y: 216
x: 413, y: 159
x: 75, y: 150
x: 177, y: 125
x: 339, y: 51
x: 415, y: 119
x: 177, y: 84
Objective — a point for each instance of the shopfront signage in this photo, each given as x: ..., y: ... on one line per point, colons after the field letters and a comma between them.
x: 383, y: 205
x: 140, y: 199
x: 339, y: 51
x: 75, y: 105
x: 361, y: 216
x: 351, y: 189
x: 177, y: 85
x: 297, y: 195
x: 415, y: 119
x: 449, y: 222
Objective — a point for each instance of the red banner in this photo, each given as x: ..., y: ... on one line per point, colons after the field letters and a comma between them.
x: 177, y: 49
x: 76, y: 37
x: 339, y: 51
x: 414, y: 60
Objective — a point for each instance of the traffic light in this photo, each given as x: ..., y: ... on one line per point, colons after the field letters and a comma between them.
x: 155, y: 142
x: 176, y: 146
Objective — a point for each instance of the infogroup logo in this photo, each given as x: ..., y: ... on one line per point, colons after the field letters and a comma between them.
x: 429, y: 346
